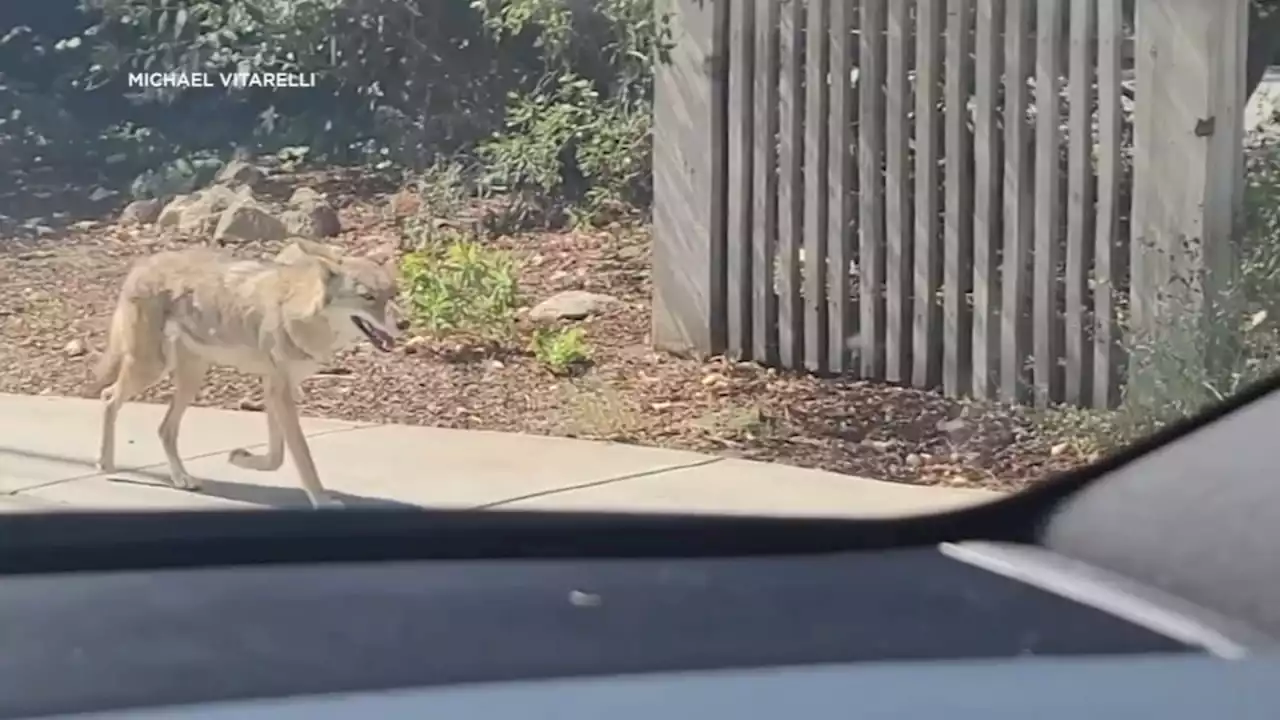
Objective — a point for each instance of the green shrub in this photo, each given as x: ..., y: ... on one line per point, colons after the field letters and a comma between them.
x: 460, y: 286
x: 562, y: 350
x: 580, y: 136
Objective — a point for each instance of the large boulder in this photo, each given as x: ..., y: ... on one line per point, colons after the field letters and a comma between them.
x: 310, y: 215
x: 141, y: 212
x: 240, y: 173
x: 572, y: 305
x: 245, y: 221
x: 199, y: 212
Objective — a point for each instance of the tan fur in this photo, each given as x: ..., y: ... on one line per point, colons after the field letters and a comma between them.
x: 181, y: 312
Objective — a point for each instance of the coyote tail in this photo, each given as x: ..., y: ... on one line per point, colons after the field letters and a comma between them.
x: 124, y: 323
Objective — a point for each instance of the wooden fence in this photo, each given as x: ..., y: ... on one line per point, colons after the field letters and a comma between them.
x: 940, y: 193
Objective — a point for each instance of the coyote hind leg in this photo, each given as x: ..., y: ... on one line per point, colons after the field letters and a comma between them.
x: 188, y: 375
x: 135, y: 376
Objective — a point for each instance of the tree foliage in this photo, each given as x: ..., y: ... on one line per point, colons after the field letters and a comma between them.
x: 550, y: 91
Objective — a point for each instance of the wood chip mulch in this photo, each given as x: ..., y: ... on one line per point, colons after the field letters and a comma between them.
x: 56, y: 293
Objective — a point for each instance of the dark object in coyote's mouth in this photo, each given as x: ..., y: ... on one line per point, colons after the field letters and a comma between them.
x: 380, y: 339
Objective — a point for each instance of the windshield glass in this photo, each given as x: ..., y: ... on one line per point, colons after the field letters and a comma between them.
x: 767, y: 256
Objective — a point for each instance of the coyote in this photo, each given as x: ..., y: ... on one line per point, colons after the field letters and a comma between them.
x: 181, y: 312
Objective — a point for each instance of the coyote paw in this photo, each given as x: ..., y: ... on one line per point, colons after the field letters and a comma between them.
x: 183, y: 481
x: 242, y: 458
x: 325, y: 502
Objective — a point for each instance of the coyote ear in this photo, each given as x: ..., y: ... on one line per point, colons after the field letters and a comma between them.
x: 305, y: 292
x: 301, y: 248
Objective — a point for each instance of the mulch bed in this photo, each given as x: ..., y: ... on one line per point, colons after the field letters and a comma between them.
x: 56, y: 293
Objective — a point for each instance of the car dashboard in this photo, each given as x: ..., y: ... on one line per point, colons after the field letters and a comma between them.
x: 1146, y: 585
x: 1001, y: 629
x: 1171, y: 687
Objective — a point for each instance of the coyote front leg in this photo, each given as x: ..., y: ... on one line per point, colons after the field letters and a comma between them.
x: 283, y: 408
x: 274, y: 457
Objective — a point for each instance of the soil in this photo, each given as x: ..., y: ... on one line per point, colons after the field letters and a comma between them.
x: 57, y: 289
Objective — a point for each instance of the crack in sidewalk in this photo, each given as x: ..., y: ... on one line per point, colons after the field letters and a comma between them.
x: 595, y: 483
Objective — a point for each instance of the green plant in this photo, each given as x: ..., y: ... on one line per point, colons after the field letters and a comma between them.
x: 563, y: 350
x: 444, y: 188
x: 460, y: 286
x: 1090, y: 431
x: 607, y: 141
x: 398, y: 82
x: 592, y: 408
x: 582, y: 133
x: 443, y: 191
x: 1177, y: 366
x: 738, y: 422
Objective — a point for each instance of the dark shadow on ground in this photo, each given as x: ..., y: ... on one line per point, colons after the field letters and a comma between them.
x: 263, y: 495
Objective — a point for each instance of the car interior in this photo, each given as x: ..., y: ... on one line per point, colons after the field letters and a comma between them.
x: 1148, y: 583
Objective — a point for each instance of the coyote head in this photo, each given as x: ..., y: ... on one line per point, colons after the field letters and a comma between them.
x: 357, y: 295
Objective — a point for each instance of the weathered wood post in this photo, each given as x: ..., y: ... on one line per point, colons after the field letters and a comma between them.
x: 1188, y: 182
x: 689, y: 180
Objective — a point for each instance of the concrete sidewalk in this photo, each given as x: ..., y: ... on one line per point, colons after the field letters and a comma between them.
x: 48, y: 444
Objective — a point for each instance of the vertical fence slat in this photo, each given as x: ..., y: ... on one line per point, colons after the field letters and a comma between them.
x: 986, y: 204
x: 871, y: 149
x: 753, y: 167
x: 1107, y: 243
x: 689, y: 149
x: 815, y: 169
x: 958, y: 207
x: 840, y: 188
x: 1048, y: 184
x: 1080, y: 210
x: 927, y: 347
x: 741, y: 115
x: 898, y: 222
x: 1015, y: 278
x: 1189, y: 63
x: 764, y: 236
x: 790, y: 186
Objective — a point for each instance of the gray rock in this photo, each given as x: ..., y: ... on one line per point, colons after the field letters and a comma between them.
x: 317, y: 221
x: 572, y: 305
x: 247, y: 222
x: 199, y: 212
x: 99, y: 194
x: 141, y: 212
x: 171, y: 215
x: 310, y: 215
x: 305, y: 197
x: 238, y: 173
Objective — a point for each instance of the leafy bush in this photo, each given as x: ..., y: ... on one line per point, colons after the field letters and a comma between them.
x: 570, y: 142
x: 398, y: 80
x: 562, y: 350
x: 462, y: 287
x: 582, y: 133
x: 553, y: 96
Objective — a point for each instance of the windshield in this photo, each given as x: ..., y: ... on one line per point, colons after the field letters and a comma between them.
x: 768, y: 256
